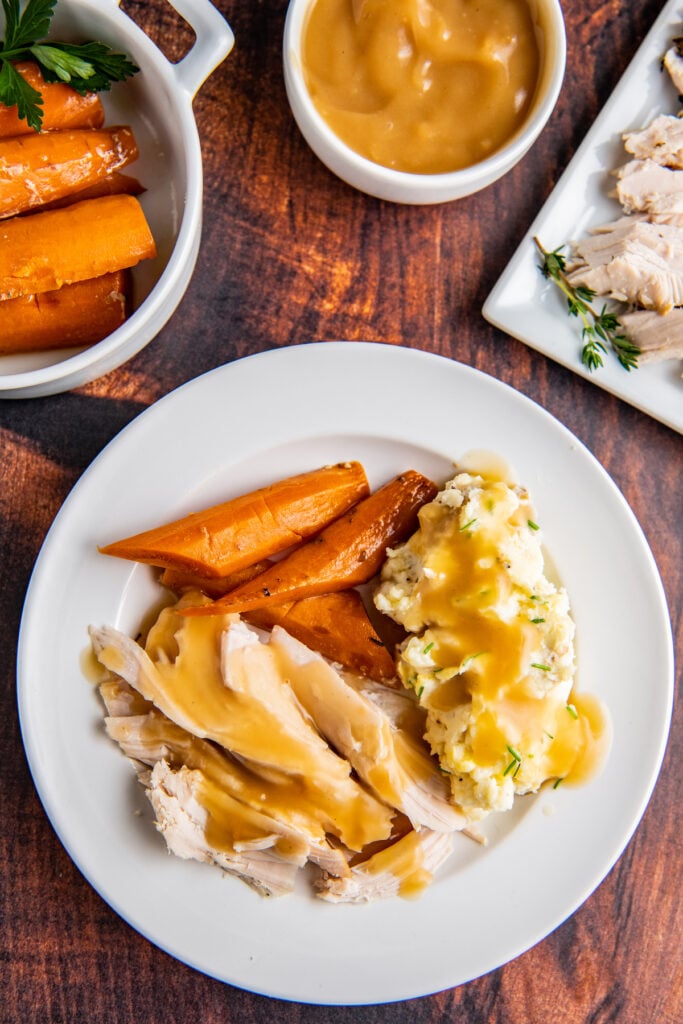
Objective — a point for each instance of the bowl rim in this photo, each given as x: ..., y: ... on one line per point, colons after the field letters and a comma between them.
x: 486, y: 170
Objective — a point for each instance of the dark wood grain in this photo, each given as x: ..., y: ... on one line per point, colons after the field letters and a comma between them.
x: 289, y: 255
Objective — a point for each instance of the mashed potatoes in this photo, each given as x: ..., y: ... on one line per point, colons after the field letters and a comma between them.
x: 490, y: 651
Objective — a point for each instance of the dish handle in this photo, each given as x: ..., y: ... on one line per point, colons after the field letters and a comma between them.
x: 214, y: 40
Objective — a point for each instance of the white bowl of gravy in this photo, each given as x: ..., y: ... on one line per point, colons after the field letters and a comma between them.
x: 422, y: 101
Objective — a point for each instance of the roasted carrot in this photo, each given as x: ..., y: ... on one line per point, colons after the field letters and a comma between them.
x: 335, y: 625
x: 228, y: 537
x: 96, y: 236
x: 37, y: 168
x: 75, y: 315
x: 348, y: 552
x: 63, y: 107
x: 182, y: 580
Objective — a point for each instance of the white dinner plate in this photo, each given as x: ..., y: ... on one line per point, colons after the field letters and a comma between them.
x: 529, y: 307
x: 259, y: 419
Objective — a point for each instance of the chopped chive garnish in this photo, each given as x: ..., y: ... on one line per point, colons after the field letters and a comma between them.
x: 515, y: 763
x: 557, y: 782
x: 467, y: 525
x: 572, y: 711
x: 420, y: 692
x: 428, y: 648
x: 537, y: 622
x: 532, y: 525
x: 543, y: 668
x: 549, y: 734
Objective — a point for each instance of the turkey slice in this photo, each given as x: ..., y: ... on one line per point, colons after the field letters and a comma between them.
x: 198, y: 822
x: 631, y: 260
x: 397, y: 766
x: 673, y: 63
x: 229, y: 691
x: 152, y: 737
x: 404, y: 868
x: 661, y: 140
x: 658, y: 337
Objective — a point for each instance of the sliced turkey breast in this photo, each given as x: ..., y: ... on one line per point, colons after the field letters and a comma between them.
x: 404, y: 868
x: 644, y: 186
x: 660, y: 141
x: 657, y: 337
x: 222, y: 689
x: 633, y: 261
x: 396, y: 766
x: 152, y: 737
x: 673, y: 63
x: 196, y: 824
x: 121, y: 700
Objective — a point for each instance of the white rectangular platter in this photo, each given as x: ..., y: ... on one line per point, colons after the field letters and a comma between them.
x: 530, y: 308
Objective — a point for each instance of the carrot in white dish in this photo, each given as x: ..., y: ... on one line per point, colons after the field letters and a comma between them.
x: 49, y: 249
x: 63, y: 107
x: 38, y: 168
x: 75, y: 315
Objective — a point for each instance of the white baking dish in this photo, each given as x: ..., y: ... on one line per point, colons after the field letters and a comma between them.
x: 157, y: 103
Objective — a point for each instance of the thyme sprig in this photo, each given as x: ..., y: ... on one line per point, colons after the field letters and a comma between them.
x: 599, y: 329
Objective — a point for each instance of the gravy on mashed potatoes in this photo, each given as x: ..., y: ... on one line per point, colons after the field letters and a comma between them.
x: 490, y: 651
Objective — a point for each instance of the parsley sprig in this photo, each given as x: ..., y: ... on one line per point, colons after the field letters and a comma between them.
x: 88, y: 67
x: 600, y: 329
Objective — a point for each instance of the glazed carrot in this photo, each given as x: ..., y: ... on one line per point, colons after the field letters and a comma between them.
x: 96, y: 236
x: 235, y: 534
x: 37, y: 168
x: 63, y: 107
x: 75, y: 315
x: 346, y: 553
x: 335, y: 625
x: 181, y: 580
x: 115, y: 184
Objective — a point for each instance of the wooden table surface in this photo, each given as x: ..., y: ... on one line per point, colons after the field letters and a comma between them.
x: 290, y: 254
